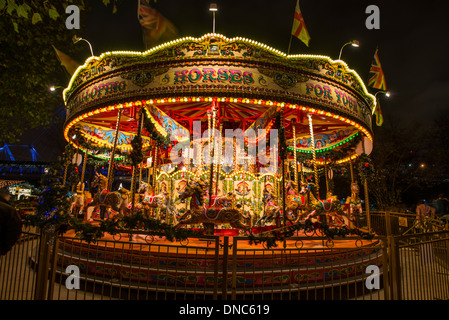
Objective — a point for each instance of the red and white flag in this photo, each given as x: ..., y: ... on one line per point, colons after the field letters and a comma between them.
x: 156, y: 28
x: 299, y: 29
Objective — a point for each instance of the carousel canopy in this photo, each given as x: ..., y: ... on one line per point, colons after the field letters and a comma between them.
x: 247, y: 82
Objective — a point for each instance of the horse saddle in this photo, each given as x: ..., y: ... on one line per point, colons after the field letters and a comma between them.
x: 326, y: 204
x: 150, y: 201
x: 301, y: 200
x: 102, y: 196
x: 212, y: 212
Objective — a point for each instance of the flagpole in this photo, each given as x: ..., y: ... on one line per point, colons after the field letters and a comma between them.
x: 289, y: 45
x: 291, y: 35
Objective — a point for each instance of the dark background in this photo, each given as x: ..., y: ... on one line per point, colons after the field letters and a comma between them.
x: 412, y: 45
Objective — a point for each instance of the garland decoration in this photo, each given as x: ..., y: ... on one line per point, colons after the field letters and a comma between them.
x: 153, y: 133
x: 365, y: 167
x: 271, y: 237
x: 330, y: 154
x: 125, y: 224
x: 136, y: 153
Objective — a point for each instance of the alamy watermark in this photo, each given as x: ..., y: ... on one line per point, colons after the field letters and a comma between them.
x: 373, y: 20
x: 372, y: 281
x: 230, y: 148
x: 73, y: 280
x: 73, y: 20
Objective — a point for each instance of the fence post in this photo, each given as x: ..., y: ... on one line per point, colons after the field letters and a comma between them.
x: 234, y: 268
x: 42, y: 270
x: 386, y: 269
x: 395, y: 264
x: 387, y: 223
x: 224, y: 288
x: 53, y: 262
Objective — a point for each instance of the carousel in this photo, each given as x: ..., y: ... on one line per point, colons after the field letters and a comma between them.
x: 229, y: 136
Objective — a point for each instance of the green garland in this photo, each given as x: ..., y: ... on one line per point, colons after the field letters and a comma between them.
x: 330, y: 154
x: 289, y: 231
x: 154, y: 134
x: 365, y: 167
x: 124, y: 224
x: 136, y: 153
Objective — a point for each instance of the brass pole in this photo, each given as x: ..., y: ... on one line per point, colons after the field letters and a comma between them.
x: 154, y: 168
x: 83, y: 172
x: 352, y: 171
x: 211, y: 155
x: 365, y: 185
x: 133, y: 179
x: 218, y: 157
x: 312, y: 141
x: 111, y: 160
x: 295, y: 156
x: 327, y: 179
x: 76, y: 158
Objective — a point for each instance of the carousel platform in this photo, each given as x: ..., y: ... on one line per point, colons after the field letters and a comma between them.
x: 218, y: 263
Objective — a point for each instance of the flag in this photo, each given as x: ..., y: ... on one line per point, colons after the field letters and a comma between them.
x: 299, y: 29
x: 378, y: 114
x: 155, y: 27
x: 67, y: 62
x: 377, y: 81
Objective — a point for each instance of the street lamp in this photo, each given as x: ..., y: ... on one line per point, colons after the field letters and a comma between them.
x: 354, y: 43
x: 213, y: 8
x: 53, y: 88
x: 76, y: 39
x: 387, y: 93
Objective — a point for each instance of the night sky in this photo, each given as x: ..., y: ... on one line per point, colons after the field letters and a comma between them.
x: 412, y: 40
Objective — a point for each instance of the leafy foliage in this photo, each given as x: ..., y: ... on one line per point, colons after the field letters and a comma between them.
x: 29, y: 65
x: 404, y: 161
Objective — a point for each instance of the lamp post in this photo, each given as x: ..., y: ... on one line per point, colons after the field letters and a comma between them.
x: 354, y: 43
x: 213, y: 8
x: 387, y: 93
x: 77, y: 39
x: 53, y: 88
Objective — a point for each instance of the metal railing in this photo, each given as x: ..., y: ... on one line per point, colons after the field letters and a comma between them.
x: 419, y: 266
x: 306, y: 269
x: 385, y: 223
x: 17, y: 277
x: 413, y: 266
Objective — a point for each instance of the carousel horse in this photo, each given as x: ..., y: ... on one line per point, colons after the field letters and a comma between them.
x: 77, y: 205
x: 355, y: 204
x: 271, y: 208
x: 208, y: 216
x: 149, y: 201
x: 294, y: 202
x: 226, y: 200
x: 330, y: 207
x: 105, y: 200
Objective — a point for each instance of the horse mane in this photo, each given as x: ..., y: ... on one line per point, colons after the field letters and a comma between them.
x: 313, y: 191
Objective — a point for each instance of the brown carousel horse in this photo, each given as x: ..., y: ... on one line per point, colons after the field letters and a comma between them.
x: 105, y: 200
x: 208, y: 216
x: 330, y: 207
x: 149, y: 201
x: 271, y: 208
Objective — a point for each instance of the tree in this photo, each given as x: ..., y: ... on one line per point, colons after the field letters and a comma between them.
x: 28, y: 64
x: 402, y: 165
